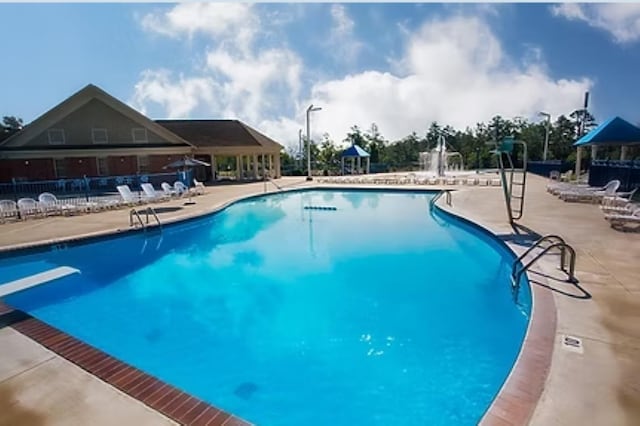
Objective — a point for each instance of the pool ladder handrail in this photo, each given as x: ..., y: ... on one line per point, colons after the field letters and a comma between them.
x: 149, y: 211
x: 273, y: 183
x: 438, y: 195
x: 557, y: 242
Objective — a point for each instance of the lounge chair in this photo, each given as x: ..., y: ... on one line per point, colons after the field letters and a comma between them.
x: 8, y: 208
x: 199, y: 187
x: 632, y: 218
x: 49, y: 203
x: 591, y: 194
x: 28, y: 207
x: 181, y: 188
x: 128, y: 197
x: 150, y: 194
x: 168, y: 189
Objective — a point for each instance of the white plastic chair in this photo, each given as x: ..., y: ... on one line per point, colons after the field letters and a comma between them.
x: 49, y: 203
x: 28, y: 207
x: 168, y: 189
x: 199, y: 187
x: 8, y: 208
x: 150, y: 194
x: 180, y: 188
x: 127, y: 196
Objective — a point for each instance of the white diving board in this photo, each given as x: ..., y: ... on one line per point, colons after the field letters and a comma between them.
x: 36, y: 279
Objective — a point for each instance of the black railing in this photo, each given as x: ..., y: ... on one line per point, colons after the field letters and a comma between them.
x: 85, y: 186
x: 544, y: 168
x: 627, y: 172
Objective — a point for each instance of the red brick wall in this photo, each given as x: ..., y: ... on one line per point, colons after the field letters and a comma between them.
x: 78, y: 167
x: 32, y: 169
x: 123, y: 165
x: 157, y: 163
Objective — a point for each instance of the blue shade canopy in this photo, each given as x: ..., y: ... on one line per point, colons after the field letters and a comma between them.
x: 614, y: 131
x: 355, y: 151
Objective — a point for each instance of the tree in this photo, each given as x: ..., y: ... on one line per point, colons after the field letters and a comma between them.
x: 375, y: 142
x: 9, y: 126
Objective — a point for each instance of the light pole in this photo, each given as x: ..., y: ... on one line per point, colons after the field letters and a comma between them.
x: 546, y: 134
x: 300, y: 154
x: 309, y: 110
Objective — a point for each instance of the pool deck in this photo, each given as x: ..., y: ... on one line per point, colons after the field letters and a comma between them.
x: 597, y: 384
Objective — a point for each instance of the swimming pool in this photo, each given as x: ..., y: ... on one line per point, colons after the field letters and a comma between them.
x: 378, y: 312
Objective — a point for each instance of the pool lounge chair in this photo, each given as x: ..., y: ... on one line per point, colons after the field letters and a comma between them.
x: 199, y: 187
x: 128, y: 197
x: 168, y: 189
x: 617, y: 219
x: 150, y: 194
x: 181, y: 189
x: 591, y: 195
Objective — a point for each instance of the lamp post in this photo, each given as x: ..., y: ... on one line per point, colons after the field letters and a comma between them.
x: 546, y: 134
x: 300, y: 154
x: 309, y: 110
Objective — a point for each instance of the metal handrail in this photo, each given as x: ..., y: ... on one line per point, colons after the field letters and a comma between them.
x: 132, y: 213
x: 150, y: 210
x: 273, y: 183
x: 516, y: 273
x: 438, y: 195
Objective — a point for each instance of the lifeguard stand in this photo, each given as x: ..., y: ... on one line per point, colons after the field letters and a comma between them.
x: 513, y: 179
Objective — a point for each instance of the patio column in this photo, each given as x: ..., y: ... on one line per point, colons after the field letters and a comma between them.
x: 623, y: 152
x: 271, y: 175
x: 238, y: 167
x: 359, y: 165
x: 214, y: 168
x: 353, y: 164
x: 277, y: 166
x: 255, y: 166
x: 578, y: 162
x: 594, y: 152
x: 368, y: 164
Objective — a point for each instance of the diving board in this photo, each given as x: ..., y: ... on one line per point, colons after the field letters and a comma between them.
x: 36, y: 280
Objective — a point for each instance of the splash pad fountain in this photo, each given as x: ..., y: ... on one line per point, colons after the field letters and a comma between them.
x: 436, y: 161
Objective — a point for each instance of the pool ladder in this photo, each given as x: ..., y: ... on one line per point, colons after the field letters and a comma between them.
x: 556, y: 242
x: 149, y: 211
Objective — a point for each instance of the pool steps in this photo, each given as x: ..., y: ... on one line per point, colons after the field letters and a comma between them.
x: 36, y: 280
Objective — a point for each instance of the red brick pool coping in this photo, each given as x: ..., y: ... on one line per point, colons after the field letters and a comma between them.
x: 520, y: 393
x: 161, y: 397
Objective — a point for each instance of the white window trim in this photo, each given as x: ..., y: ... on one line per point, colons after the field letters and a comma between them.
x: 106, y: 165
x: 133, y: 135
x: 139, y: 163
x: 93, y: 135
x: 61, y: 132
x: 56, y: 170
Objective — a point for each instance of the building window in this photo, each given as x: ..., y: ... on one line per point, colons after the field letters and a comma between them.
x: 102, y: 166
x: 139, y: 135
x: 56, y: 136
x: 143, y: 164
x: 99, y: 135
x: 60, y: 165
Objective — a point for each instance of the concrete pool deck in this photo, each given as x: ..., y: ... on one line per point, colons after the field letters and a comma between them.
x: 597, y: 386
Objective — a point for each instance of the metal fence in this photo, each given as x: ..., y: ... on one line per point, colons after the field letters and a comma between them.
x: 627, y: 172
x: 543, y: 168
x: 86, y: 186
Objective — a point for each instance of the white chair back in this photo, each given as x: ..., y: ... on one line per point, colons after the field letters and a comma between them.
x: 125, y: 193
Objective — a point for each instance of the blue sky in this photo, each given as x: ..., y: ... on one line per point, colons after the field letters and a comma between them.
x: 401, y: 66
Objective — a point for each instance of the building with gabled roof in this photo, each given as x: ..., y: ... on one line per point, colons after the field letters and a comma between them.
x: 91, y: 133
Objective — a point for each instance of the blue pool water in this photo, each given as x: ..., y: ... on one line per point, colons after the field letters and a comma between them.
x: 378, y: 313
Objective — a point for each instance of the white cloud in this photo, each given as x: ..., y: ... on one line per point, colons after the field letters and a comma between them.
x: 342, y: 41
x: 178, y: 97
x: 621, y: 20
x: 218, y: 20
x: 453, y: 71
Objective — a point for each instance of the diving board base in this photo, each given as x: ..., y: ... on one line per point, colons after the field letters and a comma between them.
x: 36, y: 280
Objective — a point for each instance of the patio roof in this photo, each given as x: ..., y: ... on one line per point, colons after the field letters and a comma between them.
x: 354, y: 151
x: 614, y: 131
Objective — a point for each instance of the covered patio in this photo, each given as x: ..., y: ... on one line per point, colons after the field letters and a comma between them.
x: 355, y: 153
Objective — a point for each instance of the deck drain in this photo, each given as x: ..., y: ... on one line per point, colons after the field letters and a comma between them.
x: 572, y: 343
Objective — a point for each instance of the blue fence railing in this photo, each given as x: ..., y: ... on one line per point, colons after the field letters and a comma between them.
x: 544, y: 168
x: 87, y: 186
x: 627, y: 172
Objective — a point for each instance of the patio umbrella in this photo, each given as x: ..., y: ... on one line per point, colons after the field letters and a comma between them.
x: 185, y: 164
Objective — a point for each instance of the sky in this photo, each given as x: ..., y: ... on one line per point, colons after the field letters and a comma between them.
x: 401, y: 66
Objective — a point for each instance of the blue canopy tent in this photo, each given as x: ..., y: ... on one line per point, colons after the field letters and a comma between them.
x: 613, y: 132
x: 355, y: 153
